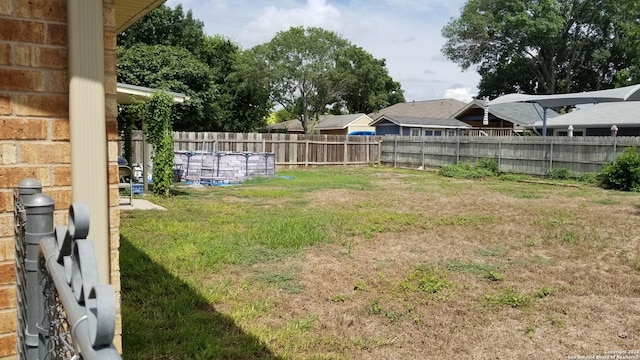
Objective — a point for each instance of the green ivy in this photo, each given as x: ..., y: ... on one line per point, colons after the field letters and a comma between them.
x: 158, y: 119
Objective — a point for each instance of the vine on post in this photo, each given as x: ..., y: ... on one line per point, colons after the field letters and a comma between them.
x: 158, y: 119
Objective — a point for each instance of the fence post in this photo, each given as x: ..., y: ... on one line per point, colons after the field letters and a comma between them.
x: 395, y: 152
x: 346, y: 150
x: 306, y: 152
x: 499, y: 155
x: 39, y: 213
x: 458, y: 149
x: 422, y: 151
x: 551, y: 156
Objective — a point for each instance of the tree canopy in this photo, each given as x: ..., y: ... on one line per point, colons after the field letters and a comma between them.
x: 168, y: 49
x: 312, y: 70
x: 546, y: 46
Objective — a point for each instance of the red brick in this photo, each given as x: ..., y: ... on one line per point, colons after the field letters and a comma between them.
x: 57, y: 34
x: 19, y: 30
x: 8, y: 319
x: 8, y: 344
x: 61, y: 175
x: 10, y: 176
x: 58, y: 82
x: 7, y: 273
x: 6, y: 201
x: 42, y: 105
x: 7, y: 297
x: 42, y: 57
x: 49, y: 153
x: 5, y: 105
x: 60, y: 129
x: 113, y: 174
x: 22, y: 80
x: 5, y: 54
x: 112, y: 130
x: 42, y: 9
x: 23, y: 129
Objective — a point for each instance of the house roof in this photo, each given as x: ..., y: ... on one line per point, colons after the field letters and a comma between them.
x: 129, y: 11
x: 627, y: 93
x: 523, y: 114
x: 599, y: 115
x: 127, y: 94
x: 422, y: 122
x: 338, y: 122
x: 289, y: 126
x: 440, y: 109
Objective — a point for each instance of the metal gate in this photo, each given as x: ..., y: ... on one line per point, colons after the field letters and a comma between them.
x: 63, y: 312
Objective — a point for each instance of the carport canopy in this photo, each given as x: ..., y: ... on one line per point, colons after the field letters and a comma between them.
x: 627, y: 93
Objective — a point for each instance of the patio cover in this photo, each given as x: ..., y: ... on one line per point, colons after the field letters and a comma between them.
x: 627, y: 93
x: 127, y: 94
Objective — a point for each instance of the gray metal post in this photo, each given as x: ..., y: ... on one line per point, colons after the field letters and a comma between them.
x: 39, y: 211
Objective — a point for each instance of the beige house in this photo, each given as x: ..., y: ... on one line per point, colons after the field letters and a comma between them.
x: 58, y: 124
x: 343, y: 124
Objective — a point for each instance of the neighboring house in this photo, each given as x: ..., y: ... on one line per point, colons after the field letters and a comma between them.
x: 290, y: 127
x: 418, y: 126
x: 435, y: 109
x: 514, y: 116
x: 58, y: 124
x: 597, y: 120
x: 343, y: 124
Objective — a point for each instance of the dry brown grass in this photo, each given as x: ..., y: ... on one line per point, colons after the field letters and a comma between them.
x: 569, y: 256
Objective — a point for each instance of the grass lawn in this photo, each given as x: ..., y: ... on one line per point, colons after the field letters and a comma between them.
x: 378, y: 263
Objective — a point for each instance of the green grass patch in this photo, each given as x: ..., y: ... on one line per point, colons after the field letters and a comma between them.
x: 467, y: 220
x: 509, y: 297
x: 425, y: 279
x: 287, y: 282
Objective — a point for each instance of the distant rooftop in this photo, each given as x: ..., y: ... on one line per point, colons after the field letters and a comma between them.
x: 437, y: 109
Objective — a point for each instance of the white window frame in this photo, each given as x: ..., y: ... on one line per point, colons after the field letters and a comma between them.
x: 415, y: 132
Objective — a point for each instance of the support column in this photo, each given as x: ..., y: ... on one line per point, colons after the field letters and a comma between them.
x: 88, y: 132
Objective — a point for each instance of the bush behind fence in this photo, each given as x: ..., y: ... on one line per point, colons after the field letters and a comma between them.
x: 525, y: 155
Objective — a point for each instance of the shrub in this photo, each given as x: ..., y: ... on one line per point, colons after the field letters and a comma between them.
x: 624, y: 173
x: 560, y: 174
x: 488, y: 164
x: 464, y: 170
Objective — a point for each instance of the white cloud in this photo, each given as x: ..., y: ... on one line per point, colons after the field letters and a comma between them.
x: 315, y: 13
x: 462, y: 94
x: 404, y: 32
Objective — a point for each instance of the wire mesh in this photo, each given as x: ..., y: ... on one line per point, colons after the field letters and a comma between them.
x: 55, y: 324
x: 20, y: 220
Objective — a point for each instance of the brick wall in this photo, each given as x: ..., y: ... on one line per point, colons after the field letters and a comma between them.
x: 34, y: 129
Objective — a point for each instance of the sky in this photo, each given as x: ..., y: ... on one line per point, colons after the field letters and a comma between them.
x: 406, y: 33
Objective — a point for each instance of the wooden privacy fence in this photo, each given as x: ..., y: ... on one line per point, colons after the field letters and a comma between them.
x: 289, y: 149
x: 524, y: 155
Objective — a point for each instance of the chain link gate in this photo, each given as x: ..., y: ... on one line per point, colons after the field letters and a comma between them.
x: 63, y: 311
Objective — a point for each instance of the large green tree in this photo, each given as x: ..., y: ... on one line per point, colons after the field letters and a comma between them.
x: 168, y: 49
x: 312, y: 70
x: 543, y: 46
x: 370, y: 88
x: 166, y: 26
x: 173, y: 69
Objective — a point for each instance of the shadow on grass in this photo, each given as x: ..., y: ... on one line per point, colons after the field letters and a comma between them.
x: 163, y: 318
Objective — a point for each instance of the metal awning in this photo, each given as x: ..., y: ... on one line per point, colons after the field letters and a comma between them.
x: 627, y: 93
x: 127, y: 94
